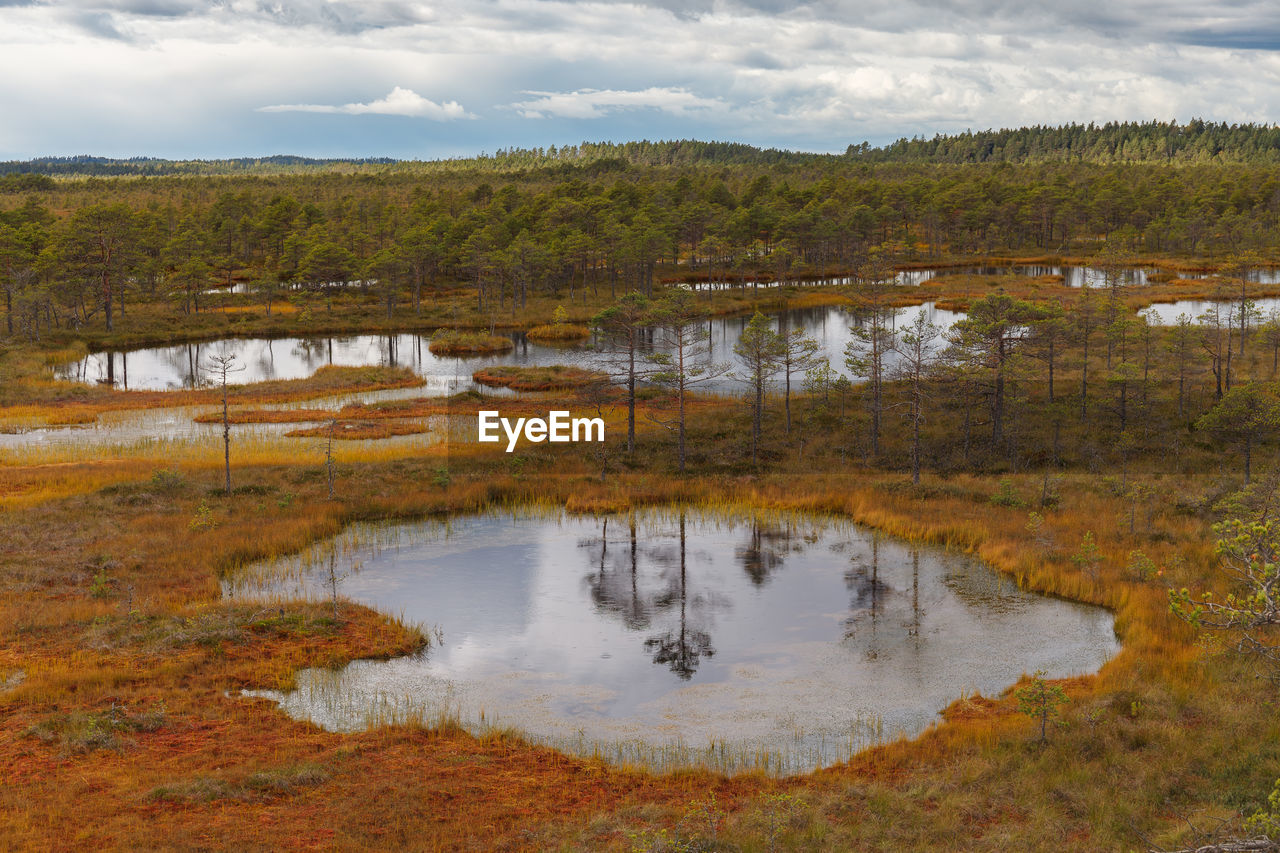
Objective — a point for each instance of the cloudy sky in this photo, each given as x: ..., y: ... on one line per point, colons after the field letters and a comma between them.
x: 401, y: 78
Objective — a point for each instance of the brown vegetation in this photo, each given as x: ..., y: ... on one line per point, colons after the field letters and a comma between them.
x: 455, y: 342
x: 556, y: 377
x: 559, y: 333
x: 352, y: 430
x: 120, y: 663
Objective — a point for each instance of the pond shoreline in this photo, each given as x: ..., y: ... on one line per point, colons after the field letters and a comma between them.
x: 810, y: 743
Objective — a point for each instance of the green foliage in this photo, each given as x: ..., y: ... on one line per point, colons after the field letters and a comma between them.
x: 1246, y: 415
x: 167, y: 480
x: 453, y: 341
x: 706, y: 817
x: 822, y: 383
x: 1088, y: 557
x: 1248, y: 552
x: 1041, y: 701
x: 661, y: 840
x: 264, y: 784
x: 86, y: 731
x: 1142, y: 567
x: 557, y: 220
x: 1128, y: 142
x: 101, y: 586
x: 777, y: 816
x: 1039, y: 530
x: 1005, y: 495
x: 203, y: 519
x: 1267, y: 821
x: 760, y: 351
x: 1196, y: 141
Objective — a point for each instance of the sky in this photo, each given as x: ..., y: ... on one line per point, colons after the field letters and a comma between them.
x: 425, y: 80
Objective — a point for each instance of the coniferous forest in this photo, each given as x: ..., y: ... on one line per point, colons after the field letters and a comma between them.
x: 1048, y: 352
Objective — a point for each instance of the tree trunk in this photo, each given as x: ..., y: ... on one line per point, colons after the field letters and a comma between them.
x: 226, y: 432
x: 631, y: 391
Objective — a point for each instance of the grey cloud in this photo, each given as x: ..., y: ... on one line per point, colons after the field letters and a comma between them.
x: 344, y: 17
x: 1259, y: 39
x: 1250, y: 24
x: 158, y: 8
x: 813, y: 74
x: 762, y: 59
x: 100, y: 24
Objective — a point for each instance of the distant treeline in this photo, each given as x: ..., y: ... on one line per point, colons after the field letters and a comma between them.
x: 596, y: 157
x: 108, y: 167
x: 1115, y: 142
x: 1194, y: 143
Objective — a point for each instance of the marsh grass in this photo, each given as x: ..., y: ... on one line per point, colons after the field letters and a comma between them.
x: 1174, y: 722
x: 328, y: 700
x: 85, y: 731
x: 258, y: 786
x: 458, y: 342
x: 556, y: 377
x: 562, y: 333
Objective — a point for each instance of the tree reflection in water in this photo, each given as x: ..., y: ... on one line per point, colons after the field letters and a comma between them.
x: 621, y: 583
x: 616, y: 588
x: 313, y: 351
x: 870, y: 598
x: 765, y: 551
x: 866, y: 596
x: 684, y: 647
x: 617, y: 591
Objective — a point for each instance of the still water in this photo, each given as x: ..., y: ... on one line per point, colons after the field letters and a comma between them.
x: 787, y: 642
x: 1072, y: 276
x: 185, y: 365
x: 1167, y: 313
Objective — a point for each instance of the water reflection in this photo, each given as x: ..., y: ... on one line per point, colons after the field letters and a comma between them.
x: 764, y: 551
x: 186, y: 365
x: 182, y: 366
x: 1167, y: 313
x: 682, y: 647
x: 686, y: 613
x: 679, y: 627
x: 1072, y: 275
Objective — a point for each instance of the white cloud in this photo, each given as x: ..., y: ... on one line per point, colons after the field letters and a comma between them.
x: 189, y: 77
x: 597, y: 103
x: 399, y: 102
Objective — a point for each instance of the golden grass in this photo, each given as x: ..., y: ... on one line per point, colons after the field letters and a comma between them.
x: 559, y: 333
x: 355, y: 430
x: 455, y: 342
x: 974, y: 764
x: 1170, y: 721
x: 556, y: 377
x: 58, y: 402
x: 266, y: 416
